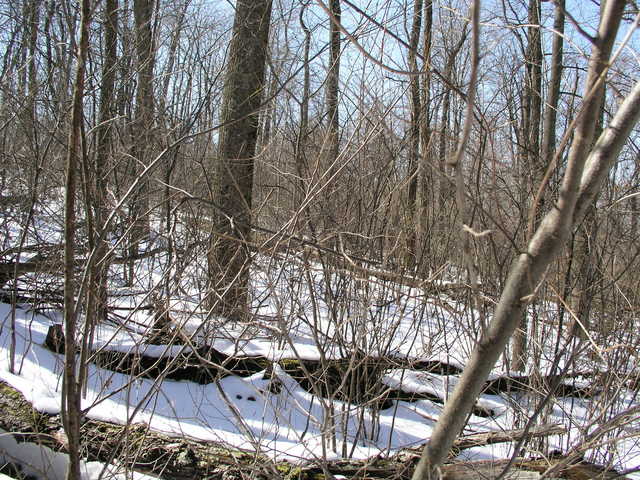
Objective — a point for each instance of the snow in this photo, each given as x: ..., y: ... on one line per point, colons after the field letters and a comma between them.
x: 41, y: 462
x: 288, y: 423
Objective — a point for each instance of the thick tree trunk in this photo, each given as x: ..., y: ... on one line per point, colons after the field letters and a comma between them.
x: 228, y: 256
x: 330, y: 207
x: 107, y: 112
x: 423, y: 216
x: 143, y: 122
x: 96, y: 296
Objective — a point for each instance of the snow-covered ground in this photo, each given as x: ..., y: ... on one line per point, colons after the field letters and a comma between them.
x: 37, y: 461
x: 302, y: 312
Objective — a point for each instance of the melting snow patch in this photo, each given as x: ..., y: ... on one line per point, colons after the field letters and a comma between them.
x: 43, y: 463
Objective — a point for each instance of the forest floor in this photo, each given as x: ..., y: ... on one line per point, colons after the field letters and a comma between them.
x: 337, y: 374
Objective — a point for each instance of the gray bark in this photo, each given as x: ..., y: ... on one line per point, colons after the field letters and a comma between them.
x: 70, y: 388
x: 143, y: 122
x: 533, y: 162
x: 228, y: 256
x: 333, y: 79
x: 551, y: 105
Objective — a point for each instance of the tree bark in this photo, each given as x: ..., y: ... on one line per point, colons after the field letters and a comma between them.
x: 301, y: 164
x: 445, y: 190
x: 70, y: 387
x: 330, y: 206
x: 333, y: 82
x: 228, y: 256
x: 103, y: 148
x: 551, y: 105
x: 414, y: 129
x: 532, y: 162
x: 425, y: 175
x: 143, y: 121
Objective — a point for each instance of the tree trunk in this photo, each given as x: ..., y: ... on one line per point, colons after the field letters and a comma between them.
x: 331, y: 205
x: 70, y: 388
x: 414, y: 130
x: 301, y: 164
x: 425, y: 175
x: 530, y: 157
x: 553, y: 97
x: 446, y: 190
x: 143, y: 121
x: 228, y: 255
x: 107, y: 112
x: 98, y: 267
x: 333, y: 82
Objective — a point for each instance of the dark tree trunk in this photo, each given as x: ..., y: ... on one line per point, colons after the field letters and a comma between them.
x: 333, y: 82
x: 228, y: 256
x: 533, y: 168
x: 70, y: 386
x: 424, y: 216
x: 414, y: 130
x: 107, y: 112
x: 143, y: 121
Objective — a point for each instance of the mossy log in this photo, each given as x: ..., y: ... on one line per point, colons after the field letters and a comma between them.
x: 357, y: 379
x: 138, y: 448
x: 510, y: 383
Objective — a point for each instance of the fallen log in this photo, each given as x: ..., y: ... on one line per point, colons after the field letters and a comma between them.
x: 135, y: 446
x: 363, y: 384
x: 489, y: 438
x: 525, y: 469
x: 513, y: 383
x: 138, y: 448
x: 206, y: 364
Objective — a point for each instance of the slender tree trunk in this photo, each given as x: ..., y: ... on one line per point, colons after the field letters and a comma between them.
x: 425, y: 175
x: 96, y: 309
x: 302, y: 169
x: 530, y: 150
x: 228, y: 256
x: 551, y: 105
x: 446, y: 190
x: 170, y: 163
x: 70, y: 388
x: 414, y: 130
x: 333, y: 82
x: 582, y: 179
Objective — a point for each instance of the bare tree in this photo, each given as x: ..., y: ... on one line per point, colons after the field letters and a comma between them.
x: 144, y: 115
x: 532, y: 166
x: 333, y: 82
x: 417, y: 119
x: 71, y: 387
x: 228, y: 255
x: 586, y: 168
